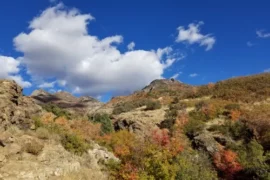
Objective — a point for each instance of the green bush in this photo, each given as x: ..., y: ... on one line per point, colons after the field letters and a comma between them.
x: 152, y: 105
x: 194, y: 166
x: 254, y: 161
x: 56, y: 110
x: 198, y: 115
x: 193, y: 127
x: 74, y: 144
x: 104, y: 120
x: 129, y: 106
x: 237, y: 130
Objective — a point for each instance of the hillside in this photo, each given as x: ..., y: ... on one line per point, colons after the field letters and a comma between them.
x: 168, y: 130
x: 228, y: 120
x: 78, y: 105
x: 34, y: 144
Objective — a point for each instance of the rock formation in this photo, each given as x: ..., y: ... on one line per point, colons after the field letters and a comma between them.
x: 15, y: 108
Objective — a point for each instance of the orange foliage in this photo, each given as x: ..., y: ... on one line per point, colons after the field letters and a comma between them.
x: 83, y: 128
x: 86, y: 129
x: 47, y: 118
x: 161, y: 137
x: 181, y: 120
x: 226, y: 161
x: 62, y: 122
x: 209, y: 110
x: 172, y: 145
x: 235, y: 115
x: 122, y: 143
x: 129, y: 172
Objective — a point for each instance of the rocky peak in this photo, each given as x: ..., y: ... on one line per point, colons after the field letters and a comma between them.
x: 65, y: 95
x: 87, y: 99
x: 161, y: 84
x: 40, y: 92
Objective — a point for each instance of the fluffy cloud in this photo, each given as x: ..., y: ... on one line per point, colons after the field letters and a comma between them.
x: 131, y: 46
x: 262, y: 34
x: 192, y: 35
x: 59, y: 47
x: 193, y: 75
x: 10, y: 70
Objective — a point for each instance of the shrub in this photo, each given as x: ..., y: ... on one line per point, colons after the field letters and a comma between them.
x: 171, y: 115
x: 245, y: 89
x: 175, y: 100
x: 193, y: 127
x: 232, y: 107
x: 56, y: 110
x: 237, y: 130
x: 104, y: 120
x: 33, y: 147
x: 42, y: 133
x: 152, y: 105
x: 253, y: 160
x: 130, y: 105
x: 85, y: 129
x: 74, y: 144
x: 226, y: 162
x: 192, y: 165
x: 258, y: 120
x: 207, y: 110
x: 123, y: 107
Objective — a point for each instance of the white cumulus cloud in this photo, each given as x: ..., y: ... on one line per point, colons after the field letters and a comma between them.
x: 59, y: 47
x: 262, y: 34
x: 131, y: 46
x: 193, y: 35
x: 10, y: 70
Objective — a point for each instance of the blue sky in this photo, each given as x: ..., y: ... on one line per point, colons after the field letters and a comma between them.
x: 85, y: 51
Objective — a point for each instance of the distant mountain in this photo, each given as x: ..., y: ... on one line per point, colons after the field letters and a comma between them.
x: 65, y: 100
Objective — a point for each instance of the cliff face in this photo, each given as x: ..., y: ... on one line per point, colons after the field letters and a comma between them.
x: 15, y: 108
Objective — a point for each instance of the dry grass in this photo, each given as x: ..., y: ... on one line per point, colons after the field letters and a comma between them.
x: 33, y: 147
x: 42, y: 133
x: 84, y: 174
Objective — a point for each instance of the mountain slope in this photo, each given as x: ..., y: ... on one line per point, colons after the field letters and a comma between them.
x: 76, y: 105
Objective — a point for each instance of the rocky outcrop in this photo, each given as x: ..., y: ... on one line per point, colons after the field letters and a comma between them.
x: 162, y: 84
x: 139, y: 121
x: 24, y: 156
x: 75, y: 105
x: 14, y: 107
x: 126, y: 124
